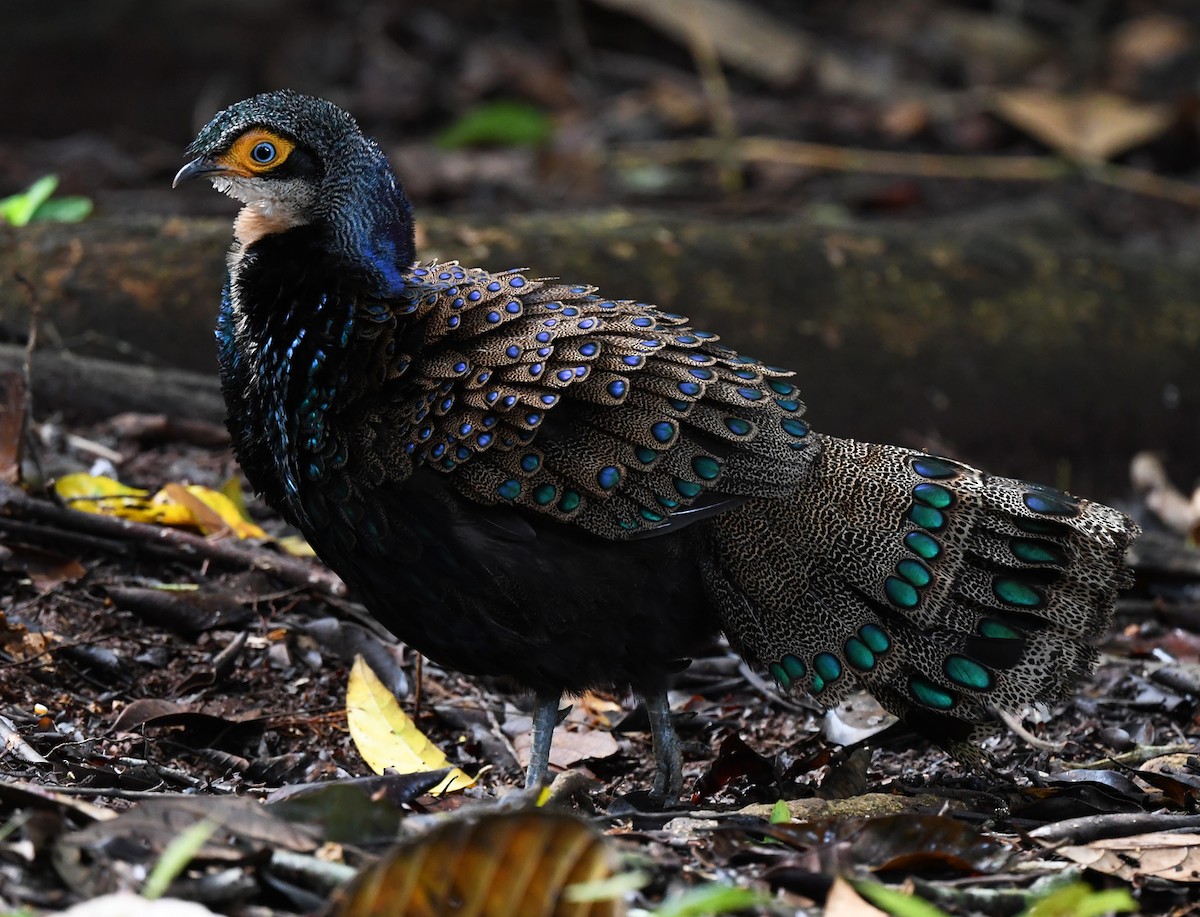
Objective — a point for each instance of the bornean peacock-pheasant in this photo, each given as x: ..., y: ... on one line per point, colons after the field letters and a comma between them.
x: 523, y: 478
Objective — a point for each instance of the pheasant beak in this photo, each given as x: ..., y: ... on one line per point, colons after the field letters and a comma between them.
x: 201, y: 165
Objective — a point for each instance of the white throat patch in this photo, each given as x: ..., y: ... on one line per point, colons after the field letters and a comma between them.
x: 271, y: 206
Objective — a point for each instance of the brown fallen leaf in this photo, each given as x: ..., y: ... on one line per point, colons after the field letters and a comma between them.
x: 205, y: 518
x: 502, y: 864
x: 93, y: 860
x: 583, y: 745
x: 1175, y: 777
x: 182, y: 607
x: 576, y: 739
x: 844, y: 901
x: 901, y: 843
x: 48, y: 571
x: 1088, y: 128
x: 22, y: 644
x: 1171, y: 856
x: 597, y: 707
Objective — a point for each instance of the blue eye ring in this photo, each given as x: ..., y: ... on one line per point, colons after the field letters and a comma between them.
x: 263, y: 152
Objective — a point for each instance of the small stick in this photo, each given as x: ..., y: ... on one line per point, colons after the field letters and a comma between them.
x: 35, y: 314
x: 417, y: 692
x: 186, y: 546
x: 1013, y: 722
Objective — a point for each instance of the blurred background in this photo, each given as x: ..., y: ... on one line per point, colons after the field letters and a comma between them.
x: 551, y: 90
x: 971, y: 226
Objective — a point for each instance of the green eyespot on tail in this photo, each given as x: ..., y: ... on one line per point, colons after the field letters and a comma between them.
x: 948, y: 593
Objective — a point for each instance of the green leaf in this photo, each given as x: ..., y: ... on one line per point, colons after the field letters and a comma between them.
x: 19, y: 209
x: 896, y: 903
x: 176, y: 856
x: 70, y: 209
x: 780, y: 813
x: 498, y: 124
x: 36, y: 203
x: 709, y: 900
x: 1078, y: 899
x: 607, y: 889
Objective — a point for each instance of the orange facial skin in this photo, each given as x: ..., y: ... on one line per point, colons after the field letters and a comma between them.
x: 247, y: 156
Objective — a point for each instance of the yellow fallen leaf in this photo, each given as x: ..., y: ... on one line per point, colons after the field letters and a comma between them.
x: 213, y: 512
x: 204, y: 518
x: 387, y: 737
x: 103, y: 496
x: 85, y: 488
x: 208, y: 510
x: 232, y: 489
x: 296, y: 546
x: 597, y: 707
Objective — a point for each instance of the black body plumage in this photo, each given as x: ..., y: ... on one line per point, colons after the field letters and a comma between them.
x: 526, y: 479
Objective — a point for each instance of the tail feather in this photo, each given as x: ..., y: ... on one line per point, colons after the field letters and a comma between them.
x: 948, y: 593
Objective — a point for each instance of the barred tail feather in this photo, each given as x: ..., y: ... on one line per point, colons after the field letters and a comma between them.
x: 948, y: 593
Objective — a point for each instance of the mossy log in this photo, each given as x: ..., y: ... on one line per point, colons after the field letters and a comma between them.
x: 1016, y: 340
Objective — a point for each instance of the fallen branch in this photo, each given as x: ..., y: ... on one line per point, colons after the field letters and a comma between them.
x: 90, y: 388
x: 848, y: 159
x: 921, y: 165
x: 1162, y: 554
x: 26, y: 515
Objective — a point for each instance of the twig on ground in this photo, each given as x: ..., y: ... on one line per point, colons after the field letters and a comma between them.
x: 1018, y: 729
x: 12, y: 740
x: 177, y: 544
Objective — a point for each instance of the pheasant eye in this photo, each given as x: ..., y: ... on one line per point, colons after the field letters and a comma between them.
x: 263, y: 152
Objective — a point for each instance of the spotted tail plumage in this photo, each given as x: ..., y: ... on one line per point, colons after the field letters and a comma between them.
x: 948, y: 593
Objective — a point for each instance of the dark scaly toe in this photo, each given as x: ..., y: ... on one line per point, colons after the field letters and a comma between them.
x: 545, y: 718
x: 668, y: 755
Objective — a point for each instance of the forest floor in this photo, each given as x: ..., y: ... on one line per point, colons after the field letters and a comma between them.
x: 149, y: 680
